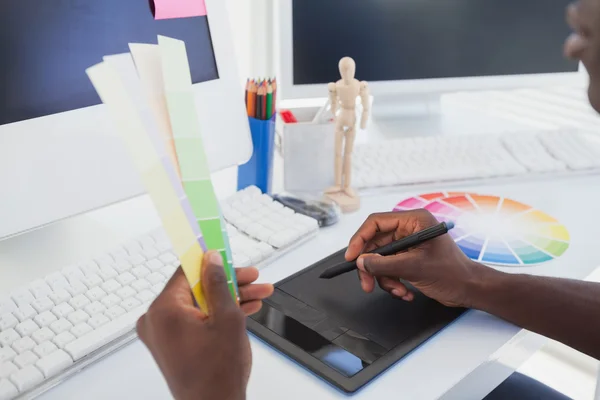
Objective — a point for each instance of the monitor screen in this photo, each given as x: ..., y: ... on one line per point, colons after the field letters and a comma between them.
x: 422, y: 39
x: 46, y: 46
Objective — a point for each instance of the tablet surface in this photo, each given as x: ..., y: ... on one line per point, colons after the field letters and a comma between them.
x: 339, y: 332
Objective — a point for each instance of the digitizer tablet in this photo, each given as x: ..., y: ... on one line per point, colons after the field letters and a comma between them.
x: 340, y: 333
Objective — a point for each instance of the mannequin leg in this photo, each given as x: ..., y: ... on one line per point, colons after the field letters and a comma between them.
x: 347, y: 171
x: 339, y: 143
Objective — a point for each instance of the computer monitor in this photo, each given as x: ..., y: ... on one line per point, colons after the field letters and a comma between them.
x: 59, y: 152
x: 417, y: 47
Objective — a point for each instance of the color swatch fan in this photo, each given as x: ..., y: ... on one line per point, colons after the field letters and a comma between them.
x: 497, y: 230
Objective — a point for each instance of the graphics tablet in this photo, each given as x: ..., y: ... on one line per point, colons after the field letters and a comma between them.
x: 341, y: 334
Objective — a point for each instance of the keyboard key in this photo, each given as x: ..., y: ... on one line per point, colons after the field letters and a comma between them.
x: 150, y: 253
x: 24, y: 359
x: 158, y: 288
x: 140, y: 272
x: 45, y: 348
x: 73, y: 274
x: 7, y: 369
x: 79, y: 301
x: 54, y: 363
x: 125, y: 278
x: 168, y: 258
x: 119, y: 253
x: 145, y: 296
x: 81, y: 329
x: 39, y: 289
x: 133, y: 247
x: 111, y: 300
x: 140, y: 285
x: 26, y: 378
x: 6, y: 354
x: 107, y: 273
x: 105, y: 333
x: 94, y: 308
x: 167, y: 271
x: 22, y: 297
x: 105, y: 260
x: 23, y: 344
x: 8, y: 337
x: 60, y: 326
x: 57, y: 281
x: 60, y: 296
x: 7, y: 389
x: 114, y: 312
x: 110, y: 286
x: 7, y: 305
x: 95, y: 294
x: 76, y: 288
x: 89, y: 268
x: 27, y: 327
x: 24, y: 313
x: 42, y: 304
x: 122, y: 265
x: 45, y: 319
x: 154, y: 265
x: 92, y: 280
x: 130, y: 304
x: 63, y: 339
x: 78, y: 316
x: 98, y: 320
x: 42, y: 335
x: 155, y: 278
x: 8, y: 321
x: 136, y: 259
x: 62, y: 310
x: 125, y: 292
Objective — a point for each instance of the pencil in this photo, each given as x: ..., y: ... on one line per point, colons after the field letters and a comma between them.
x: 246, y: 97
x: 259, y: 103
x: 274, y: 103
x: 269, y: 101
x: 264, y: 101
x: 252, y: 100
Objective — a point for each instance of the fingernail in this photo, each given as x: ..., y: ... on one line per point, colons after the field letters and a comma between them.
x: 360, y: 263
x: 216, y: 259
x: 397, y: 293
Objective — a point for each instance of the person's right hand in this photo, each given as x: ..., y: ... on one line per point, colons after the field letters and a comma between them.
x: 438, y: 268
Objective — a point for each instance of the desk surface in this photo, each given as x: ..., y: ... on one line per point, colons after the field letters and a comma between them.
x: 464, y: 361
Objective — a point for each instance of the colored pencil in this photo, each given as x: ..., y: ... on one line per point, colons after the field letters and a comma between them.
x: 269, y: 101
x: 259, y: 103
x: 274, y: 103
x: 247, y: 96
x: 263, y: 115
x: 252, y: 100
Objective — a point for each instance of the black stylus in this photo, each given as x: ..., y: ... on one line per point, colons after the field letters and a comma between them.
x: 393, y: 248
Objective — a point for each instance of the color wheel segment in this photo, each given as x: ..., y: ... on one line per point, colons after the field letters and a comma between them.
x: 496, y: 230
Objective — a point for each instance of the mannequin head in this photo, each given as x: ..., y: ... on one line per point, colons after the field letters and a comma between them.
x: 347, y: 69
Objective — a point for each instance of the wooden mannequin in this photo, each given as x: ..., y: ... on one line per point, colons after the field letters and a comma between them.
x: 343, y: 94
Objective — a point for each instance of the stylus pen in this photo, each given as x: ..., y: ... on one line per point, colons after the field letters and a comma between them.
x: 393, y: 248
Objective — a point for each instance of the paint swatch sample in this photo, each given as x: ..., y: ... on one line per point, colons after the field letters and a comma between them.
x: 155, y: 169
x: 189, y: 146
x: 422, y: 200
x: 169, y: 9
x: 497, y: 230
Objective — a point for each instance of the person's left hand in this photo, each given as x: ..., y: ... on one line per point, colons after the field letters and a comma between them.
x: 251, y: 294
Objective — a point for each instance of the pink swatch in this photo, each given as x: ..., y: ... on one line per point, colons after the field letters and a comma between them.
x: 169, y: 9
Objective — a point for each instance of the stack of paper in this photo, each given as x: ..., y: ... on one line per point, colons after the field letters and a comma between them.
x: 148, y: 92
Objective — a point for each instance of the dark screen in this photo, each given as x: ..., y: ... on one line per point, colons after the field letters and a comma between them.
x: 419, y: 39
x: 46, y: 46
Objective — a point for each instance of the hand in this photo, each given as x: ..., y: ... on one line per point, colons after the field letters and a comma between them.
x: 438, y: 268
x: 203, y: 357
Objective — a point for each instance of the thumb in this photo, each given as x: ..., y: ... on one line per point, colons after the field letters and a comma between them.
x: 398, y: 266
x: 214, y: 283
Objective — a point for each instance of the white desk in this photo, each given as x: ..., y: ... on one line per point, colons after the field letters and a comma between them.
x: 464, y: 361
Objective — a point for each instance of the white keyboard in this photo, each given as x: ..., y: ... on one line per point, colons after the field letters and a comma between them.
x: 470, y: 157
x: 57, y: 325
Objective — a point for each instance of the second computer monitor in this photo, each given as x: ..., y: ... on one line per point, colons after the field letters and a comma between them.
x: 423, y: 45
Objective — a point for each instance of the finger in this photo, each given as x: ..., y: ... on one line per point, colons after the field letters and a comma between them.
x: 410, y: 296
x: 177, y: 290
x: 246, y: 275
x: 374, y: 224
x: 251, y: 307
x: 367, y: 282
x: 255, y: 292
x: 575, y: 46
x: 401, y: 266
x: 392, y: 286
x: 214, y: 283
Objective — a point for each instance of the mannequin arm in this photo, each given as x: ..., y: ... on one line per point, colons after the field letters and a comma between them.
x: 366, y: 105
x: 333, y: 100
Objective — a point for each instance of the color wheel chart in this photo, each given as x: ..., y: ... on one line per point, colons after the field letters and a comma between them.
x: 495, y: 230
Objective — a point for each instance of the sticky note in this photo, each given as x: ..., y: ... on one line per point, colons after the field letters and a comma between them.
x: 189, y: 146
x: 169, y: 9
x: 117, y: 84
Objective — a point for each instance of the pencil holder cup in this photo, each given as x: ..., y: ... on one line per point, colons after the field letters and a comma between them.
x: 258, y: 171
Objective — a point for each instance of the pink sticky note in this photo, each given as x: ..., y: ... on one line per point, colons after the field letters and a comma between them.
x: 168, y: 9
